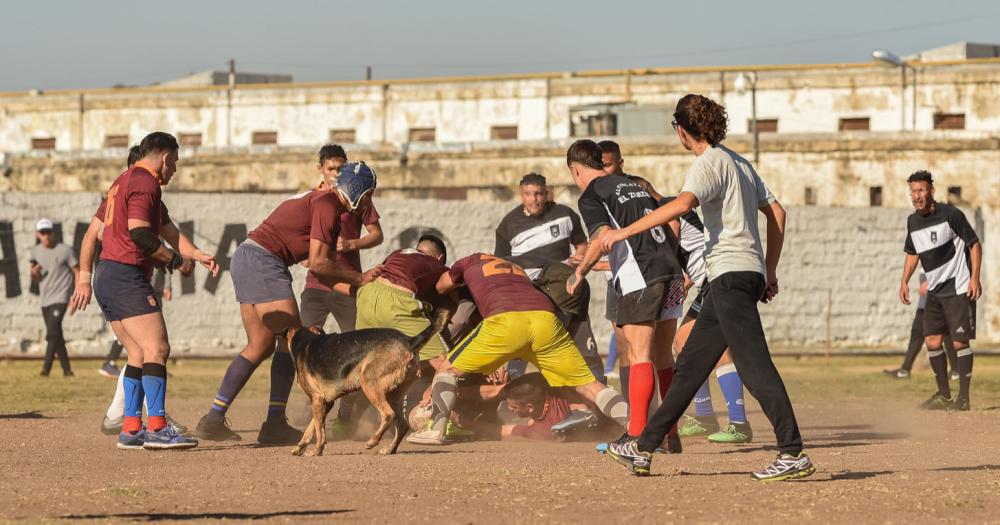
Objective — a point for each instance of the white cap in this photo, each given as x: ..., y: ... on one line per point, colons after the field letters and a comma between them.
x: 43, y: 224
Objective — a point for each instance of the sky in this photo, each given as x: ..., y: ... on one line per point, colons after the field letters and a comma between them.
x: 48, y: 44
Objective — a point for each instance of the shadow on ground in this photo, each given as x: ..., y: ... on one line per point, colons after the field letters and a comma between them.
x: 183, y: 516
x: 25, y: 415
x: 967, y: 469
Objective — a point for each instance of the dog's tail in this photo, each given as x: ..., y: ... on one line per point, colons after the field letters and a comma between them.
x: 440, y: 321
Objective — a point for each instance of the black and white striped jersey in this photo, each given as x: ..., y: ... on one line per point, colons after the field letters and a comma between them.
x: 643, y: 259
x: 692, y: 246
x: 941, y: 239
x: 532, y: 242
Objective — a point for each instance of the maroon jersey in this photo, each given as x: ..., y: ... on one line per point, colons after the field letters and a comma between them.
x: 350, y: 228
x: 415, y: 271
x: 135, y: 194
x: 498, y: 286
x: 286, y: 232
x: 103, y: 209
x: 556, y: 410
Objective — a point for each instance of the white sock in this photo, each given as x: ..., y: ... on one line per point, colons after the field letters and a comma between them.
x: 117, y: 408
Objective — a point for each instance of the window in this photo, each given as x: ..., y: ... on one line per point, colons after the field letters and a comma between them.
x: 116, y: 141
x: 43, y: 143
x: 954, y: 194
x: 191, y: 140
x: 855, y: 124
x: 422, y: 135
x: 594, y: 124
x: 949, y: 121
x: 810, y: 196
x: 503, y: 133
x: 265, y: 137
x: 342, y: 136
x: 764, y: 125
x: 875, y: 196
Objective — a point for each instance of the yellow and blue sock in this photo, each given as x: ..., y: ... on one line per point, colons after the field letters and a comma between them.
x: 732, y: 390
x: 236, y: 377
x: 282, y: 378
x: 154, y: 383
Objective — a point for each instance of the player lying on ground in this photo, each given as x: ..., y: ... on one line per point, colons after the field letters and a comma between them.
x: 134, y: 220
x: 303, y: 227
x: 691, y: 253
x: 519, y: 322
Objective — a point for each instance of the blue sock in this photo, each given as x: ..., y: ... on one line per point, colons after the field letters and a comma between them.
x: 132, y: 384
x: 609, y: 363
x: 703, y: 401
x: 732, y: 389
x: 154, y: 383
x: 236, y: 377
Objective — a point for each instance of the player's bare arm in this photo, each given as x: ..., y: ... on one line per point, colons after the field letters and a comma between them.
x: 909, y: 266
x: 445, y: 284
x: 671, y: 211
x: 322, y: 264
x: 590, y: 258
x: 187, y: 249
x: 775, y: 216
x: 373, y: 238
x: 83, y: 292
x: 975, y: 286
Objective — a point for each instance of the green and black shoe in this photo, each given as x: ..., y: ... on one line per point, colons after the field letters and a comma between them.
x: 733, y: 434
x: 695, y: 426
x: 936, y: 402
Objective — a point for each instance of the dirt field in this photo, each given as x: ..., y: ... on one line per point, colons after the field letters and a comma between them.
x: 878, y: 460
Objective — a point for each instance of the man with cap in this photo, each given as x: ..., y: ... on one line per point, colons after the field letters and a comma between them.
x: 304, y: 227
x: 54, y: 267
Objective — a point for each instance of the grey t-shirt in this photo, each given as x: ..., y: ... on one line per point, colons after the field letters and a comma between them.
x: 730, y: 194
x: 56, y: 285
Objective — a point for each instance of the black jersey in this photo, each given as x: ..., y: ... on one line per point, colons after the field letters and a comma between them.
x: 643, y: 259
x: 941, y: 240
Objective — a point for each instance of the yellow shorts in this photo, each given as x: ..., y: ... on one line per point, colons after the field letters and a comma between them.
x: 536, y: 336
x: 381, y: 306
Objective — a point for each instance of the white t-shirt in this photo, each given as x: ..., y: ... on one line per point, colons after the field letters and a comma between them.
x: 730, y: 194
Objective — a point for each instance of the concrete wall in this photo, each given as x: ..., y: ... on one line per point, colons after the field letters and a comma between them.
x: 851, y: 255
x: 804, y: 99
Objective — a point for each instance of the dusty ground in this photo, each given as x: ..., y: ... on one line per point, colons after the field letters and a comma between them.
x: 879, y: 460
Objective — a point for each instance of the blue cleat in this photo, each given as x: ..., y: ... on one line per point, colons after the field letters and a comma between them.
x: 129, y: 441
x: 167, y: 438
x: 575, y: 420
x: 601, y: 448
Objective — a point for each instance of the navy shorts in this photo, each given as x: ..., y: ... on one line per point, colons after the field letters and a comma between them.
x: 259, y: 276
x: 123, y: 291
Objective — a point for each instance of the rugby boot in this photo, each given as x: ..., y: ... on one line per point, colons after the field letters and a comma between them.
x: 734, y: 433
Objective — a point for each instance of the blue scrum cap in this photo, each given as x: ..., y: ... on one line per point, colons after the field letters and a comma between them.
x: 356, y: 179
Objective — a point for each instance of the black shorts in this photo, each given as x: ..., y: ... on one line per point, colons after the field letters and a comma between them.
x: 955, y: 315
x: 611, y: 304
x: 695, y: 307
x: 658, y: 301
x: 123, y: 291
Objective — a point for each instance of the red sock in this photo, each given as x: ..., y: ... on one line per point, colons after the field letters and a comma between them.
x: 665, y: 376
x: 641, y: 384
x: 157, y: 422
x: 132, y: 424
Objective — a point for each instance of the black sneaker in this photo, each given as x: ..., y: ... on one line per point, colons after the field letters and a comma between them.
x: 212, y: 429
x: 898, y: 373
x: 627, y: 453
x: 670, y: 445
x: 960, y: 404
x: 786, y: 467
x: 936, y: 402
x: 278, y: 432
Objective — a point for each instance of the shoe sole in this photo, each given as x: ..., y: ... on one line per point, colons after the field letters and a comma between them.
x: 167, y: 446
x: 123, y: 446
x: 426, y: 441
x: 213, y: 437
x: 786, y: 477
x: 108, y: 375
x: 731, y: 442
x: 641, y: 472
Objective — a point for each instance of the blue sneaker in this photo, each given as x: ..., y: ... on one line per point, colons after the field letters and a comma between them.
x: 168, y: 438
x: 575, y: 420
x: 602, y: 448
x: 130, y: 441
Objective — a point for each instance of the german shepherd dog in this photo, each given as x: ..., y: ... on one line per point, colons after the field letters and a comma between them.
x: 381, y: 362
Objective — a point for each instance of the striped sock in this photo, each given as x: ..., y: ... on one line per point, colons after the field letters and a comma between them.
x: 236, y: 377
x: 732, y: 390
x: 154, y: 383
x: 132, y: 383
x: 282, y: 378
x: 642, y: 383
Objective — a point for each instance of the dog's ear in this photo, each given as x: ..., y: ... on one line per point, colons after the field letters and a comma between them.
x: 316, y: 329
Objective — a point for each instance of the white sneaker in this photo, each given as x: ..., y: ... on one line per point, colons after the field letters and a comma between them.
x: 427, y: 436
